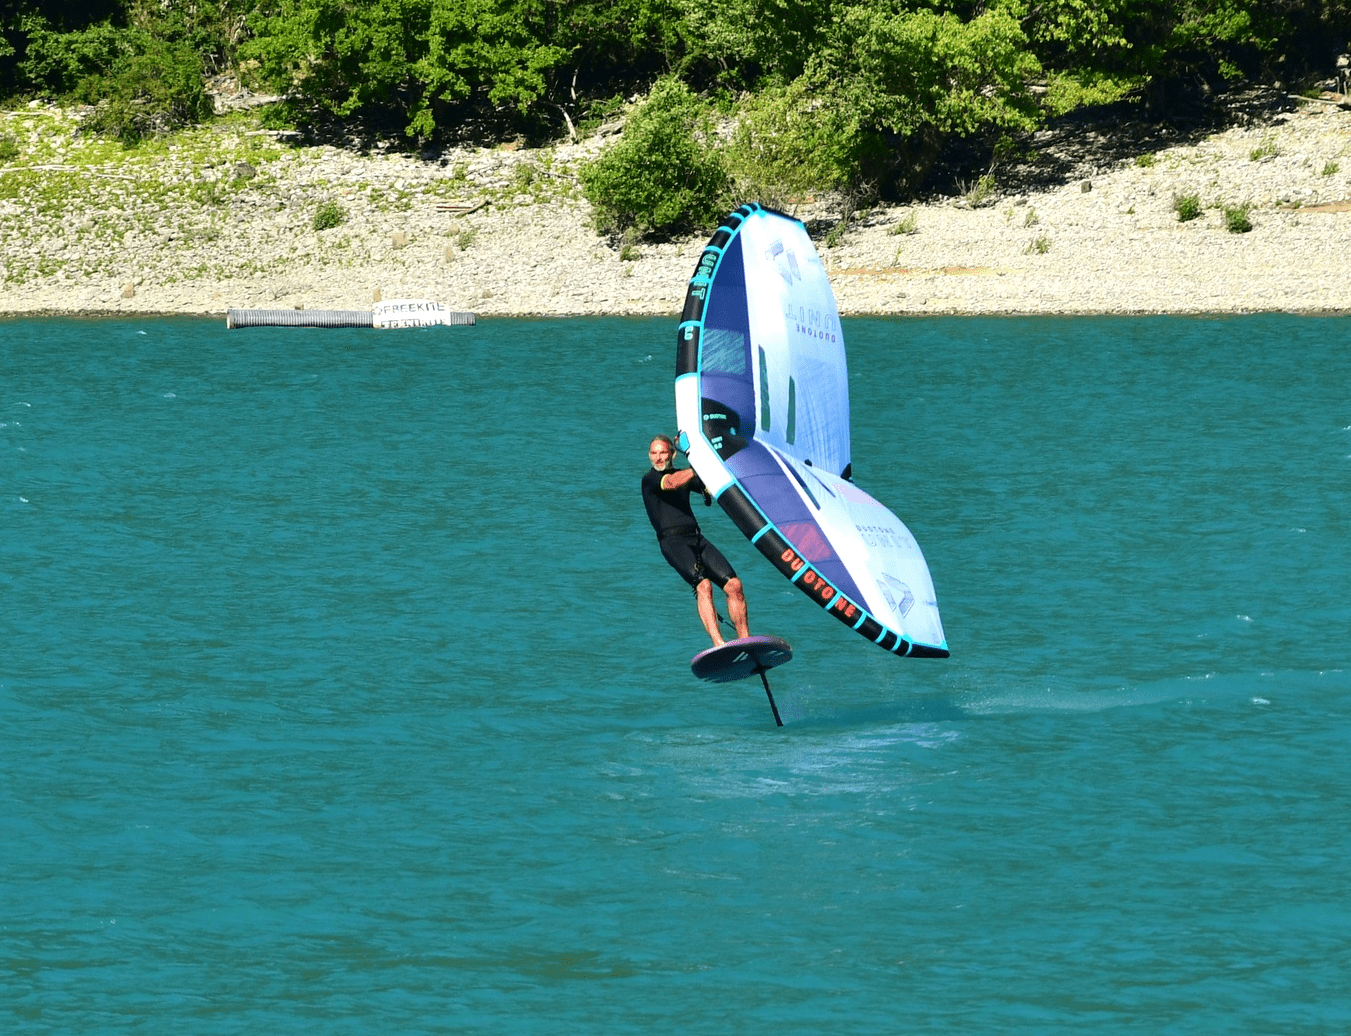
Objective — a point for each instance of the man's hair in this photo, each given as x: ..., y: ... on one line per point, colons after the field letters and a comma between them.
x: 670, y: 443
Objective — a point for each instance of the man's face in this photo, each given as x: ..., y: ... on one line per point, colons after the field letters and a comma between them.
x: 659, y: 454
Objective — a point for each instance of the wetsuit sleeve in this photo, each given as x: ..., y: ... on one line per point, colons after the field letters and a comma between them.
x: 694, y: 485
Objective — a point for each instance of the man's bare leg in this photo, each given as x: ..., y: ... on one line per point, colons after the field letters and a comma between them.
x: 708, y: 615
x: 736, y: 607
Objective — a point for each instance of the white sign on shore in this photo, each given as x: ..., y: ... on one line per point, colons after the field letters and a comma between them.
x: 411, y: 313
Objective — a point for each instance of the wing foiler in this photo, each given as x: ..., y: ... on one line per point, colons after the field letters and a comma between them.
x: 762, y: 401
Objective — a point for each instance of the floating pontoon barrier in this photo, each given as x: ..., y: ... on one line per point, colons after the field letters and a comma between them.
x: 299, y: 318
x: 395, y: 313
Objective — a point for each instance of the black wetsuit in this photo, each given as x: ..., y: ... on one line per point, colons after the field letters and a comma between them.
x: 678, y: 535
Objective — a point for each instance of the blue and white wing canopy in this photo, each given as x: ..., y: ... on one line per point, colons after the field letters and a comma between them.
x: 762, y: 400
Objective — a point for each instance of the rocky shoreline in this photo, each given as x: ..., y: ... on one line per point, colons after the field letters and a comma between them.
x: 227, y: 216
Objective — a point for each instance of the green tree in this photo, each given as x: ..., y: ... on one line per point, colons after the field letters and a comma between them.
x: 472, y: 46
x: 752, y: 43
x: 883, y: 86
x: 56, y: 62
x: 435, y: 61
x: 212, y: 29
x: 1194, y: 43
x: 606, y: 48
x: 153, y: 86
x: 340, y: 57
x: 907, y: 71
x: 142, y: 78
x: 49, y: 45
x: 18, y: 18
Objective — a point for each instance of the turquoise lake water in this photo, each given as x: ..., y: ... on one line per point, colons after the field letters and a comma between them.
x: 344, y: 691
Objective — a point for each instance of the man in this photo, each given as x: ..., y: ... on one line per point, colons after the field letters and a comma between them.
x: 666, y: 495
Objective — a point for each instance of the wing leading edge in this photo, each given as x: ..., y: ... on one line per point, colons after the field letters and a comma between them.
x: 762, y: 398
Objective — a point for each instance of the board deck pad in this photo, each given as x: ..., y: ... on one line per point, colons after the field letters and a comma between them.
x: 740, y: 658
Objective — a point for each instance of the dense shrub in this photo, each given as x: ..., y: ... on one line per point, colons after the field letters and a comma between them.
x: 154, y: 91
x: 138, y: 83
x: 328, y: 215
x: 789, y: 143
x: 56, y: 62
x: 664, y: 175
x: 1188, y: 207
x: 1236, y: 219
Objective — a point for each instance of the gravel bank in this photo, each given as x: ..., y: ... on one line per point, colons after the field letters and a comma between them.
x: 225, y: 217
